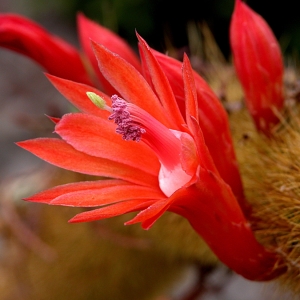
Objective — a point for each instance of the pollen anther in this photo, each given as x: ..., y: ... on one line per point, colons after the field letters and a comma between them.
x: 129, y: 129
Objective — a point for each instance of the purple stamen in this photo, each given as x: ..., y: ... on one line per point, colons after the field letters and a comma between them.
x: 128, y: 128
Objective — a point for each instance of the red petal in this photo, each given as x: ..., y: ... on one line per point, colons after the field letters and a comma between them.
x: 213, y: 121
x: 55, y: 120
x: 108, y: 195
x: 111, y: 211
x: 89, y: 30
x: 173, y: 70
x: 205, y: 158
x: 48, y: 195
x: 128, y: 82
x: 95, y: 193
x: 59, y: 153
x: 96, y: 136
x: 52, y: 53
x: 189, y: 91
x: 148, y: 216
x: 76, y: 94
x: 212, y: 115
x: 161, y: 85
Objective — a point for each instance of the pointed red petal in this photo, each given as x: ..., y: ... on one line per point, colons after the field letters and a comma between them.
x: 212, y: 115
x: 189, y: 91
x: 52, y: 53
x: 128, y: 82
x: 161, y: 85
x: 107, y: 195
x: 173, y: 70
x: 53, y: 119
x: 76, y: 93
x: 111, y: 211
x: 145, y: 71
x: 48, y: 195
x: 205, y: 159
x: 89, y: 30
x: 148, y: 216
x: 59, y: 153
x: 213, y: 121
x: 96, y: 136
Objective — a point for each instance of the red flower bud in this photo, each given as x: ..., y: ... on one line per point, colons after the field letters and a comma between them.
x: 49, y: 51
x: 259, y: 65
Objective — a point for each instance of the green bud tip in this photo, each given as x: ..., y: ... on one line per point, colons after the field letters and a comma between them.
x: 97, y: 100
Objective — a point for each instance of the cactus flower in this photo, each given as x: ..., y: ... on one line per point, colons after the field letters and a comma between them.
x: 59, y: 58
x: 154, y: 155
x: 162, y: 140
x: 259, y: 65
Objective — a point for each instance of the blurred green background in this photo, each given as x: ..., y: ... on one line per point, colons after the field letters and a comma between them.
x: 158, y: 20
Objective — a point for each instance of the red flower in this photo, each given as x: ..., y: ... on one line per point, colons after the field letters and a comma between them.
x: 180, y: 157
x: 259, y: 65
x: 166, y: 166
x: 62, y: 60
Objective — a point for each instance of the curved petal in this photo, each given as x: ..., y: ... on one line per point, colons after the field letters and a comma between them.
x: 48, y: 195
x: 96, y: 136
x: 205, y: 158
x: 95, y: 193
x: 161, y: 85
x: 111, y: 211
x: 213, y: 121
x: 212, y: 115
x: 76, y: 93
x: 52, y: 53
x: 189, y: 91
x: 149, y: 215
x: 192, y: 118
x: 107, y: 195
x: 89, y: 30
x: 54, y: 120
x: 61, y: 154
x: 128, y: 82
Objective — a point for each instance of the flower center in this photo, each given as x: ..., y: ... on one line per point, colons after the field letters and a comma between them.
x: 175, y: 150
